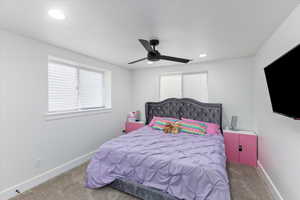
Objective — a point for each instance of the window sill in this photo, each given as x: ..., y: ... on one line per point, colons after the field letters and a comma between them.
x: 76, y: 113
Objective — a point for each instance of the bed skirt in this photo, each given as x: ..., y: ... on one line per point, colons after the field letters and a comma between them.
x: 140, y: 191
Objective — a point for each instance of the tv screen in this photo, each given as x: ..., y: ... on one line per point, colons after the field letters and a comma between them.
x: 283, y: 80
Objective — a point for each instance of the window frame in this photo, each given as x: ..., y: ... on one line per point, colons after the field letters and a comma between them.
x: 182, y: 74
x: 52, y: 115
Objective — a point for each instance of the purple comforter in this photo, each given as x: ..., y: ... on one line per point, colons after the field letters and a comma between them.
x: 187, y: 166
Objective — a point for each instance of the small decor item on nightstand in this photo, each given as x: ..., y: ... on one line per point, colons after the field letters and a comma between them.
x: 137, y: 115
x: 234, y: 123
x: 133, y: 116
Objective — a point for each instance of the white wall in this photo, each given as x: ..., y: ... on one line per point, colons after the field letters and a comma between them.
x: 279, y: 136
x: 229, y: 83
x: 25, y: 135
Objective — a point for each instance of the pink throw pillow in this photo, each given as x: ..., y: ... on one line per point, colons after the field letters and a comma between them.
x: 212, y: 128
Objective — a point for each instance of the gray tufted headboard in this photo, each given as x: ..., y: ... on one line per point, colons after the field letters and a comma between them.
x: 186, y: 108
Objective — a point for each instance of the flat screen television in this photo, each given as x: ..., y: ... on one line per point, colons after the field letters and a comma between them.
x: 283, y: 80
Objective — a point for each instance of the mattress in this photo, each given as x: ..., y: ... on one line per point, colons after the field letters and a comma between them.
x: 183, y: 165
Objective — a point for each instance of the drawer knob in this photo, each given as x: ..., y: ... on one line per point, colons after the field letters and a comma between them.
x: 240, y: 148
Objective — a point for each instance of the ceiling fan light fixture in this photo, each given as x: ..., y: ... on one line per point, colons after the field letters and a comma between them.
x: 149, y: 62
x: 202, y: 55
x: 56, y: 14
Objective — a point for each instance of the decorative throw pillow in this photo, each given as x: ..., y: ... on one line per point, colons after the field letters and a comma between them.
x: 211, y: 128
x: 161, y: 123
x: 154, y: 119
x: 192, y: 127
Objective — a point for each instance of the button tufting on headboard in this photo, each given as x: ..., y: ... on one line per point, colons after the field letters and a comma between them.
x: 184, y: 108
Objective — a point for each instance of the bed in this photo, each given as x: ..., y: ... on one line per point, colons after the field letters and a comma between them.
x: 151, y: 165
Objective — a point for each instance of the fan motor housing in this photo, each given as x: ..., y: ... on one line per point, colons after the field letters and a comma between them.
x: 153, y: 56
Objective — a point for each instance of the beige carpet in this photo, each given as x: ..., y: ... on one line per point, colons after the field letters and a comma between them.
x: 245, y: 185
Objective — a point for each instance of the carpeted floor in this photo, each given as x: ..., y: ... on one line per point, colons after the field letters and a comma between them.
x: 245, y: 185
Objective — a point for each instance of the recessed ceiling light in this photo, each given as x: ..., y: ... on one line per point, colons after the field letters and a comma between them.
x: 57, y: 14
x: 150, y: 62
x: 202, y: 55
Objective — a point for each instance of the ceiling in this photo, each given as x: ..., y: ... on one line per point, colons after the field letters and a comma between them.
x: 109, y: 29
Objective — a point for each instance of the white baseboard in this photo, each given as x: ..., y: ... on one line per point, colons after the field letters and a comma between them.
x: 28, y: 184
x: 267, y: 179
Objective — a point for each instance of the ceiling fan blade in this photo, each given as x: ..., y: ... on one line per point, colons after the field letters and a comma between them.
x: 174, y: 59
x: 146, y: 45
x: 137, y: 60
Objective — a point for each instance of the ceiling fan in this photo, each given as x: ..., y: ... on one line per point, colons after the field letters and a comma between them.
x: 154, y: 55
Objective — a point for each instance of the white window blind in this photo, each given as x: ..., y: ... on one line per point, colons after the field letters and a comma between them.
x: 91, y: 89
x: 170, y: 86
x: 72, y: 88
x: 62, y: 87
x: 189, y: 85
x: 195, y: 86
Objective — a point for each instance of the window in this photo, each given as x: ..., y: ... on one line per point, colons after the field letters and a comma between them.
x: 75, y: 88
x: 195, y: 86
x: 189, y: 85
x: 170, y: 86
x: 91, y: 89
x: 62, y: 87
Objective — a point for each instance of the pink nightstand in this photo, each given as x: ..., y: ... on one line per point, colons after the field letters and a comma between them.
x: 131, y: 126
x: 241, y: 147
